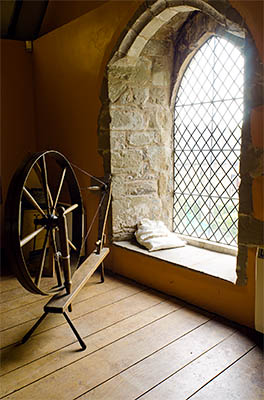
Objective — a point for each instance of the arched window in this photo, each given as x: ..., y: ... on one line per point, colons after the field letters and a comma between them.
x: 207, y: 130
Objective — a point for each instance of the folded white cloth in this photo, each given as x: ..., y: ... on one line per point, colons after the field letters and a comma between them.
x: 154, y: 235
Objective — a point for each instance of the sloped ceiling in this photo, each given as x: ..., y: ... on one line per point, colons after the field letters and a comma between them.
x: 29, y: 19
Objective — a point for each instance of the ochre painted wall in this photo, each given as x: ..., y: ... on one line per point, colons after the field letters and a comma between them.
x: 69, y: 64
x: 18, y: 135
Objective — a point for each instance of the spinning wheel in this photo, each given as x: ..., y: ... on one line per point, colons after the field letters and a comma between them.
x: 43, y: 195
x: 44, y: 230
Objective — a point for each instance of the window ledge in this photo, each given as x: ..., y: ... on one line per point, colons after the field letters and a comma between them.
x: 219, y: 265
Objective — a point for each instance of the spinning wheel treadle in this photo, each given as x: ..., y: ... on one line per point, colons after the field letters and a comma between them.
x: 44, y: 227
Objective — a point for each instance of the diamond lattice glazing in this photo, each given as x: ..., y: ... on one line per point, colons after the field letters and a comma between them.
x: 207, y: 132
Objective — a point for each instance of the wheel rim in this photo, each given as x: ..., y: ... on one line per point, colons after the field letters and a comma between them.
x: 42, y: 184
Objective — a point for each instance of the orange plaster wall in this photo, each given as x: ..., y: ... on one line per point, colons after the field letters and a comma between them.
x: 69, y: 64
x: 252, y: 12
x: 18, y: 136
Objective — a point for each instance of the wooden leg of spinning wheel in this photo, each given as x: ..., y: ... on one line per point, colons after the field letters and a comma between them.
x: 65, y: 251
x: 83, y: 345
x: 102, y: 272
x: 34, y: 327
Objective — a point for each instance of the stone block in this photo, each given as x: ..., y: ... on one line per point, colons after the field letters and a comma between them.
x: 124, y: 118
x: 127, y: 213
x: 250, y: 231
x: 164, y: 119
x: 141, y: 188
x: 167, y: 14
x: 135, y: 95
x: 158, y: 6
x: 137, y: 46
x: 156, y: 47
x: 163, y: 184
x: 130, y: 161
x: 151, y: 119
x: 138, y: 73
x: 160, y: 72
x: 140, y: 95
x: 252, y: 161
x: 151, y: 28
x: 127, y: 41
x: 126, y: 97
x: 144, y: 207
x: 159, y: 96
x: 180, y: 6
x: 118, y: 140
x: 245, y: 189
x: 123, y: 188
x: 141, y: 139
x: 142, y: 21
x: 156, y: 158
x: 241, y: 268
x: 116, y: 89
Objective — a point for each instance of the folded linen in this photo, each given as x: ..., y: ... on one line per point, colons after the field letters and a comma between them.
x: 154, y: 235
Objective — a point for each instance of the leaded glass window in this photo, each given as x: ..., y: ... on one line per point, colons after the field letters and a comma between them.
x: 207, y: 133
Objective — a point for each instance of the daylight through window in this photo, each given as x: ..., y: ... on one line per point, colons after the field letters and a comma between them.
x: 207, y: 133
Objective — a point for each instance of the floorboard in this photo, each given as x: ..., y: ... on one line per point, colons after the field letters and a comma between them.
x: 141, y: 344
x: 243, y: 380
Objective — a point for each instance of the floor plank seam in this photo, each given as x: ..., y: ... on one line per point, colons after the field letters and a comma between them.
x: 220, y: 373
x: 144, y: 358
x: 49, y: 297
x: 20, y: 288
x: 23, y: 306
x: 87, y: 337
x: 64, y: 323
x: 7, y: 301
x: 188, y: 363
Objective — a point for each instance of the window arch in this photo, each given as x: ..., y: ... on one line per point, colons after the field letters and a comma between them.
x: 208, y: 119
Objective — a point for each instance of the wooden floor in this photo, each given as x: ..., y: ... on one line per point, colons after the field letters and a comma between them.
x: 140, y: 345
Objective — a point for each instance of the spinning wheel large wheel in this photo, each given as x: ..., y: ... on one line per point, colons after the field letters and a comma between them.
x: 44, y: 192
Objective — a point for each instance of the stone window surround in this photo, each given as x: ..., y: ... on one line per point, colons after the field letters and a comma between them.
x: 148, y: 20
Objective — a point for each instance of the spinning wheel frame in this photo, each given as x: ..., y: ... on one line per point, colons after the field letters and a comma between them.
x: 51, y: 217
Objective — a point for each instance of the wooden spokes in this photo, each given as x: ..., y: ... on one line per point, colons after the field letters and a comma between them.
x: 59, y: 190
x: 31, y: 236
x: 33, y: 201
x: 41, y: 187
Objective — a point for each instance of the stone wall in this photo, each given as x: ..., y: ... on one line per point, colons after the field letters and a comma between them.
x: 140, y: 139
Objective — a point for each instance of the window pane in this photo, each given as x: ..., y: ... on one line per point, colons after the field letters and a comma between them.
x: 207, y: 132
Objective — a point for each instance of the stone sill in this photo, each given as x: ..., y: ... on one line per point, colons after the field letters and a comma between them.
x: 219, y: 265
